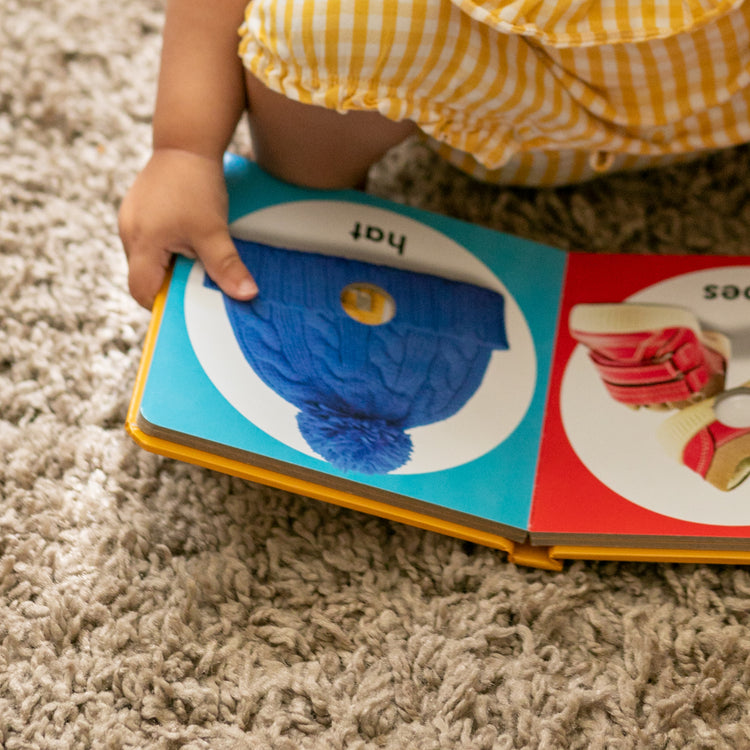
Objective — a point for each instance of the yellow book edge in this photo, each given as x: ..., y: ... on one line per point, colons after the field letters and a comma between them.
x: 544, y: 557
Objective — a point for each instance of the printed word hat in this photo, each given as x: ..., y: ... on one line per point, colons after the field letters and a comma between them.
x: 364, y: 351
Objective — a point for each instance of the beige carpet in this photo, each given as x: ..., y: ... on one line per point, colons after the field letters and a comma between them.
x: 149, y: 604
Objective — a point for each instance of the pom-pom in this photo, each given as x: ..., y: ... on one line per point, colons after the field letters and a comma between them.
x: 368, y: 445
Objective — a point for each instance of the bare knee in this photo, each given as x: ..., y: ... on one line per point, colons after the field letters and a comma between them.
x: 317, y: 147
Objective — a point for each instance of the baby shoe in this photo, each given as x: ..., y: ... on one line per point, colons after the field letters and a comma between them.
x: 713, y: 437
x: 655, y: 356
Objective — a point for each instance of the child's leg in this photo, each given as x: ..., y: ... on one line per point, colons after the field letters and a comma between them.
x: 316, y: 147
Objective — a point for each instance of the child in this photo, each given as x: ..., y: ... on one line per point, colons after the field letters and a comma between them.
x: 536, y: 92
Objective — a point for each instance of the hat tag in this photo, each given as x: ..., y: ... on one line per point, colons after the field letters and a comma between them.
x: 368, y: 303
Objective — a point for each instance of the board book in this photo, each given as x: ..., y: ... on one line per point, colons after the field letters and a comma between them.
x: 554, y: 405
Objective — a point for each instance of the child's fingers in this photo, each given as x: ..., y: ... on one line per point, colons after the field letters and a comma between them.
x: 146, y: 272
x: 222, y: 263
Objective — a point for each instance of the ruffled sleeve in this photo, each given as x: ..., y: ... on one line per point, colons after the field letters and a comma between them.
x: 572, y: 23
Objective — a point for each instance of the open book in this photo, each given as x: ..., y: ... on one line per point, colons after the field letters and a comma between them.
x: 552, y: 405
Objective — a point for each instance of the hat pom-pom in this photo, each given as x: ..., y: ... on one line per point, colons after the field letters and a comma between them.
x: 368, y: 445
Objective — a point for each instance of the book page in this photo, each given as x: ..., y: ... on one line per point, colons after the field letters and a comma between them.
x: 470, y: 412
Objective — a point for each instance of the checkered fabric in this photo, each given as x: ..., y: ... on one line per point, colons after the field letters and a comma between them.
x: 531, y: 92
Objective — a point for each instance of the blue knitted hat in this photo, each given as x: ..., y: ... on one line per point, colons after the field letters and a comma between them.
x: 359, y: 387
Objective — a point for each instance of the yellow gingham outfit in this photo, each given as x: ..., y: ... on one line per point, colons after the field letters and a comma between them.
x: 531, y: 92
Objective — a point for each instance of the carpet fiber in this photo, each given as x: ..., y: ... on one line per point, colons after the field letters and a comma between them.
x: 146, y: 603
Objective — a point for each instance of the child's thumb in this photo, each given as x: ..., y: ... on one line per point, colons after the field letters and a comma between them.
x: 223, y: 265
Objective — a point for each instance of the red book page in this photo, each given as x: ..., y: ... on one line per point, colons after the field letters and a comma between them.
x: 602, y: 470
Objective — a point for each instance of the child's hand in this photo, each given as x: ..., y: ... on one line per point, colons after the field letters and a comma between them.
x: 178, y: 204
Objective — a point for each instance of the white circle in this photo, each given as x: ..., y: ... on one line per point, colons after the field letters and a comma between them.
x: 733, y: 408
x: 619, y: 445
x: 487, y: 419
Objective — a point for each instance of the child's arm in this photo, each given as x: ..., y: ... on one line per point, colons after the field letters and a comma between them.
x: 178, y: 203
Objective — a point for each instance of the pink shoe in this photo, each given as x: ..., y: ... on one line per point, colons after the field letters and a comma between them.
x: 655, y: 356
x: 713, y: 437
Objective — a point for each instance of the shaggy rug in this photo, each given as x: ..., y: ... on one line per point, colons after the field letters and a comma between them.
x: 145, y: 603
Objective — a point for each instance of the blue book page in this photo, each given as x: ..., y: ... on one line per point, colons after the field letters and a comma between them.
x: 390, y: 349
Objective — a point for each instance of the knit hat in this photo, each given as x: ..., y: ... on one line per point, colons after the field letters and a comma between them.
x: 358, y: 386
